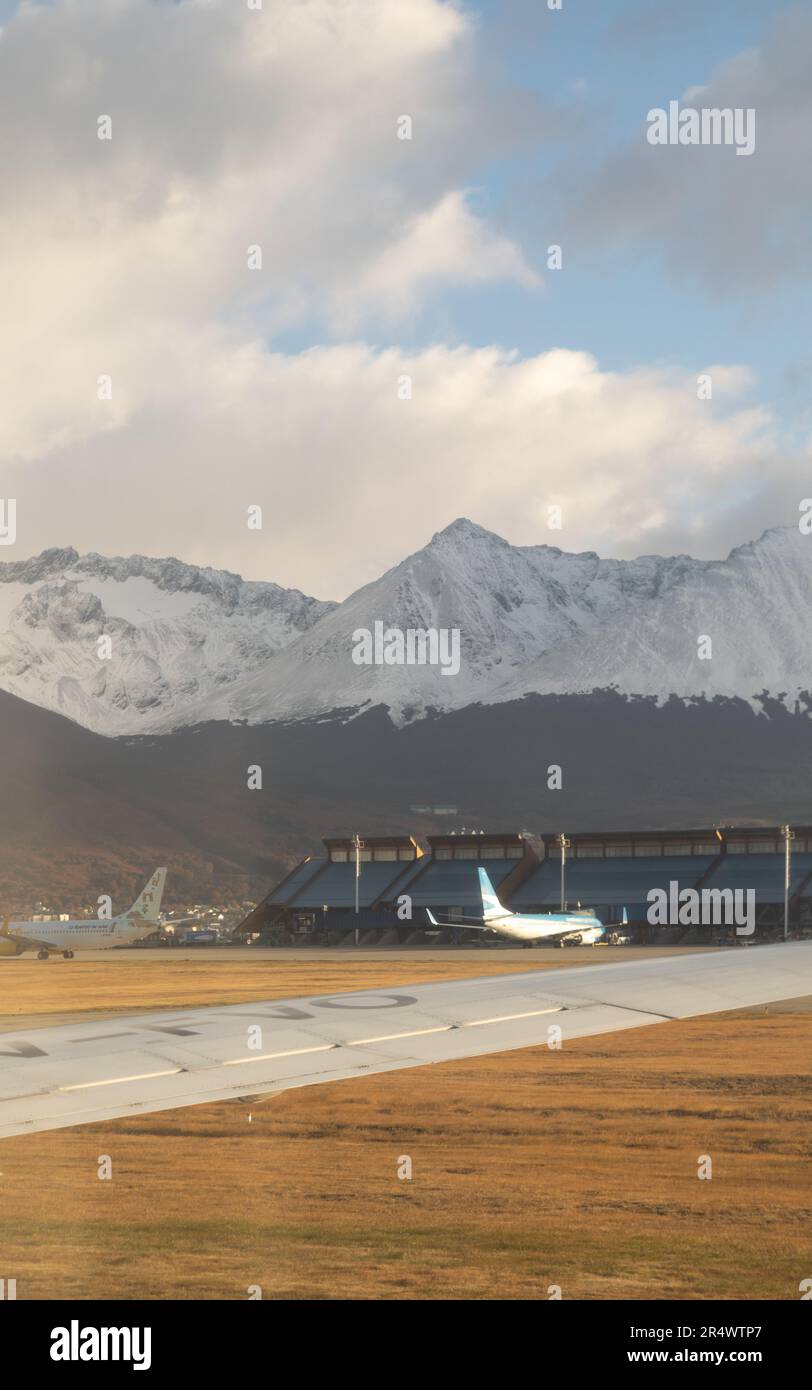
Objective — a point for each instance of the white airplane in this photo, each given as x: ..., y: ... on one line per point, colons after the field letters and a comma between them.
x: 582, y: 928
x: 86, y: 935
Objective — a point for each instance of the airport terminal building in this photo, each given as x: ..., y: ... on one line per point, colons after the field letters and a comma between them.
x: 393, y: 879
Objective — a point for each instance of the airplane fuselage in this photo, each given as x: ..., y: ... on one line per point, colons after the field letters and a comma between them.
x: 80, y: 934
x: 538, y: 927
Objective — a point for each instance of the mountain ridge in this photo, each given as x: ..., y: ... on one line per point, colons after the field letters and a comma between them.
x: 191, y: 644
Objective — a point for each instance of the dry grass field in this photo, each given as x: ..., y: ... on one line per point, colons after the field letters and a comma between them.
x: 530, y: 1169
x: 125, y: 981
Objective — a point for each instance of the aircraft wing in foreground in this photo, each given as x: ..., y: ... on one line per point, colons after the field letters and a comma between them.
x: 76, y: 1074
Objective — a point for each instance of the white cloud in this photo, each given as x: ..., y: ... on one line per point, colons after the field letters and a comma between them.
x: 231, y: 128
x: 277, y: 127
x: 446, y: 245
x: 351, y: 477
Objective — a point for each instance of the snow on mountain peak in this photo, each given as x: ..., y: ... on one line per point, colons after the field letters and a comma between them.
x: 463, y: 530
x: 179, y: 634
x: 192, y: 643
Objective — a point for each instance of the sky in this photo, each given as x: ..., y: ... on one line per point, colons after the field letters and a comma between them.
x: 256, y: 294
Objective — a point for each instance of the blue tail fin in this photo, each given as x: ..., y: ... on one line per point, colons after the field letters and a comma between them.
x: 491, y: 906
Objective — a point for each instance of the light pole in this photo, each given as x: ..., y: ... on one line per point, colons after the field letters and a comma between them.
x: 565, y: 845
x: 789, y: 836
x: 358, y: 845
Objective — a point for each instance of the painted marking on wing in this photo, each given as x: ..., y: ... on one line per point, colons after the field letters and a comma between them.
x: 102, y: 1037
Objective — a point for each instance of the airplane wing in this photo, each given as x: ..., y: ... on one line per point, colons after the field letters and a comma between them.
x: 469, y: 922
x: 70, y: 1075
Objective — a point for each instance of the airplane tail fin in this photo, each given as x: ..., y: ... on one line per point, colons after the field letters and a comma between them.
x: 625, y: 918
x: 491, y: 906
x: 148, y: 903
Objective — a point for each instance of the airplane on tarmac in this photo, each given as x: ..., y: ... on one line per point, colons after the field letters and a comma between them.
x: 581, y: 928
x: 86, y: 935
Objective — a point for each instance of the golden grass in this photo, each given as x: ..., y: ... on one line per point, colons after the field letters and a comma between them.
x: 169, y: 980
x: 530, y: 1168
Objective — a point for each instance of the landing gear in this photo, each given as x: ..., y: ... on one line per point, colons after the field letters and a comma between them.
x: 67, y: 955
x: 42, y: 955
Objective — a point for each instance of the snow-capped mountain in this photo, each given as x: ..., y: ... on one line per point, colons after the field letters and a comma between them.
x: 511, y: 604
x: 534, y: 619
x: 750, y: 614
x: 192, y: 644
x: 179, y: 635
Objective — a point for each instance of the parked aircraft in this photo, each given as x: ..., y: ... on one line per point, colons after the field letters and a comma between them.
x: 82, y: 934
x: 582, y: 928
